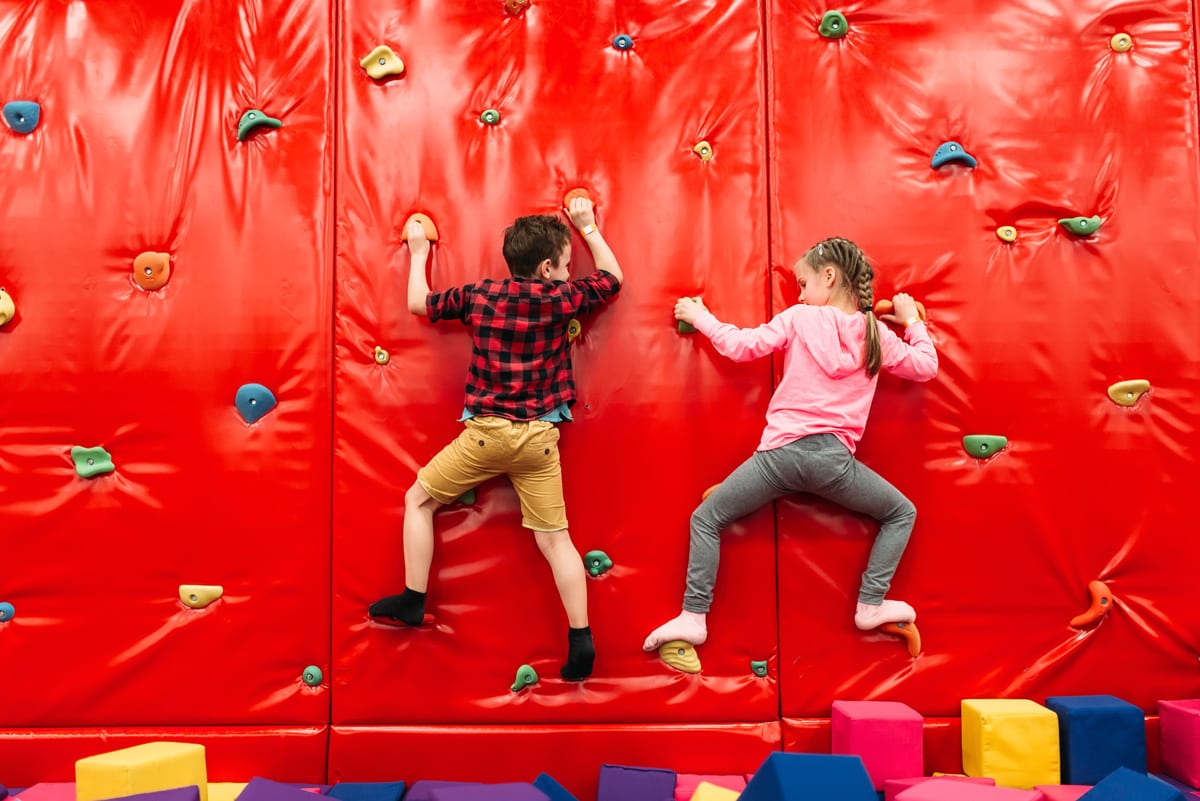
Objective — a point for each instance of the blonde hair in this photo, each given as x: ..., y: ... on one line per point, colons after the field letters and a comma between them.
x: 857, y: 276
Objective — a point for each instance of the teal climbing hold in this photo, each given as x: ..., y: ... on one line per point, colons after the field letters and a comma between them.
x: 22, y: 115
x: 254, y: 119
x: 1081, y: 226
x: 622, y: 41
x: 91, y: 462
x: 597, y: 562
x: 526, y: 676
x: 949, y: 152
x: 759, y: 667
x: 6, y: 611
x: 313, y: 676
x: 833, y: 25
x: 253, y: 401
x: 982, y: 446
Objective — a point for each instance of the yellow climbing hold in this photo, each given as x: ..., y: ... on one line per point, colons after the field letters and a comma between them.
x: 7, y: 307
x: 1127, y: 393
x: 574, y: 329
x: 703, y: 149
x: 1006, y: 233
x: 1121, y: 42
x: 382, y: 62
x: 198, y: 596
x: 680, y: 655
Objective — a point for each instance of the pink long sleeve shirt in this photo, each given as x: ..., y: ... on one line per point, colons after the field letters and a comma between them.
x: 825, y: 388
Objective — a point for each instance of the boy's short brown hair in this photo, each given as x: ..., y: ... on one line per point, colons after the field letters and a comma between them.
x: 531, y: 240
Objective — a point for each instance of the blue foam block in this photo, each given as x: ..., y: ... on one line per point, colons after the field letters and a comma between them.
x: 367, y: 791
x: 553, y: 790
x: 810, y: 777
x: 626, y: 783
x: 1098, y: 734
x: 1124, y: 784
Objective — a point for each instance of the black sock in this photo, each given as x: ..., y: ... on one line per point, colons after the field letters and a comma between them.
x: 580, y: 654
x: 408, y: 607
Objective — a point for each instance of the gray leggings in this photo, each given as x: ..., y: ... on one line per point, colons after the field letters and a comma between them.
x: 816, y: 464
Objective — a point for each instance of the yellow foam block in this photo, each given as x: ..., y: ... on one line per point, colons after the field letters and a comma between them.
x: 141, y: 769
x: 225, y: 791
x: 707, y: 791
x: 1012, y: 740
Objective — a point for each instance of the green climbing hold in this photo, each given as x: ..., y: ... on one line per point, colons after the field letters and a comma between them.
x: 1081, y: 226
x: 686, y: 328
x: 467, y: 498
x: 981, y: 446
x: 759, y: 667
x: 255, y: 119
x: 526, y: 676
x: 490, y: 117
x: 313, y: 676
x: 91, y: 462
x: 833, y: 25
x: 597, y: 562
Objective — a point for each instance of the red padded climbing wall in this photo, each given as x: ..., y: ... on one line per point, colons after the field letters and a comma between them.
x: 287, y: 271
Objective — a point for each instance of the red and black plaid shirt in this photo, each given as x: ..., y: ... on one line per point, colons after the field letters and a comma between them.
x: 521, y: 357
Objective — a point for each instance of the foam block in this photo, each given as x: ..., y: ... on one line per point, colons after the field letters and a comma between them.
x: 959, y: 791
x: 686, y: 784
x: 367, y: 791
x: 1013, y: 740
x: 888, y: 735
x: 1124, y: 784
x: 625, y: 783
x: 810, y: 777
x: 48, y: 791
x: 1179, y: 738
x: 1062, y: 792
x: 177, y: 794
x: 141, y: 769
x: 260, y: 789
x: 225, y: 791
x: 509, y: 791
x: 1098, y: 734
x: 1178, y: 785
x: 420, y: 791
x: 893, y: 787
x: 550, y: 786
x: 712, y: 792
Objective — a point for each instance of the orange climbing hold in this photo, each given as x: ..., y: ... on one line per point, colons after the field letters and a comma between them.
x: 578, y: 191
x: 885, y: 307
x: 708, y: 492
x: 1101, y: 603
x: 910, y: 634
x: 430, y: 229
x: 151, y: 270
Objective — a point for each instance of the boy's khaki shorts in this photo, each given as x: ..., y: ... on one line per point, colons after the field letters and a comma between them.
x: 527, y: 452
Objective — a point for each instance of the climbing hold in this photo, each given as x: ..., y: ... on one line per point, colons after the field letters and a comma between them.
x: 981, y: 446
x: 1127, y: 393
x: 515, y: 7
x: 707, y: 492
x: 313, y: 676
x: 1101, y: 602
x: 703, y: 149
x: 685, y: 327
x: 151, y: 270
x: 6, y: 611
x: 431, y: 232
x: 198, y: 596
x: 578, y: 191
x: 885, y: 306
x: 759, y: 668
x: 253, y: 119
x: 22, y: 115
x: 7, y: 307
x: 833, y: 25
x: 574, y: 329
x: 1006, y: 233
x: 489, y: 116
x: 1081, y: 226
x: 381, y: 355
x: 92, y: 462
x: 622, y: 42
x: 253, y: 401
x: 912, y: 637
x: 526, y: 677
x: 382, y: 62
x: 680, y: 655
x: 1121, y: 42
x: 597, y: 562
x: 952, y: 151
x: 467, y: 498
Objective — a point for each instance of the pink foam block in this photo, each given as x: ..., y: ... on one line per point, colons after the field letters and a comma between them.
x: 1179, y: 736
x: 961, y: 791
x: 1062, y: 792
x: 887, y: 735
x: 686, y: 784
x: 893, y: 787
x: 49, y: 791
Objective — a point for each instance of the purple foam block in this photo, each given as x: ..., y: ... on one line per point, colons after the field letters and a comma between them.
x: 625, y: 783
x: 512, y: 791
x: 260, y: 789
x: 420, y: 791
x: 190, y: 793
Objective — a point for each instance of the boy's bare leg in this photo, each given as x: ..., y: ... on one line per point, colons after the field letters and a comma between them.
x: 409, y: 607
x: 571, y: 580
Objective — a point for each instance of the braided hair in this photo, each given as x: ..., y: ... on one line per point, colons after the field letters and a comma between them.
x: 857, y: 276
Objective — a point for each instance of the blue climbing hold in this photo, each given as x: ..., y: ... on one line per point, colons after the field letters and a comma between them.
x: 253, y: 401
x: 22, y: 115
x: 952, y: 151
x: 623, y: 42
x: 6, y: 611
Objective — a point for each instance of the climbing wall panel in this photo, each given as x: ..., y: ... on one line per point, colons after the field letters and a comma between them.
x: 660, y: 417
x: 136, y: 150
x: 1061, y: 123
